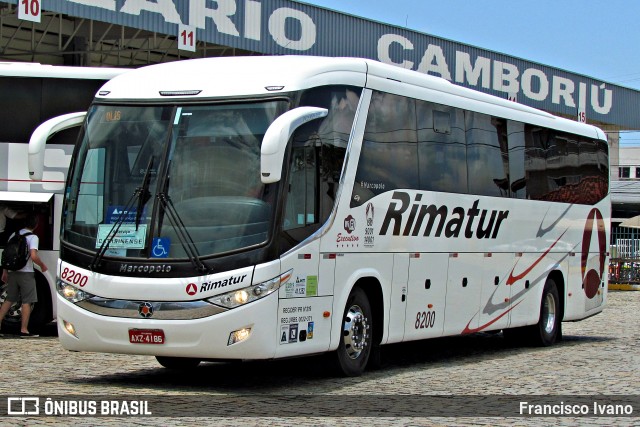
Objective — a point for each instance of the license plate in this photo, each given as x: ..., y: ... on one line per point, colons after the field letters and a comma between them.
x: 146, y: 336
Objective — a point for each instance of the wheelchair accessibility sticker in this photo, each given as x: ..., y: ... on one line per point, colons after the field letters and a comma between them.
x: 160, y: 247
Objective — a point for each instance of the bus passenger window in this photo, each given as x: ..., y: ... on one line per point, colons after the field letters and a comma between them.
x: 388, y: 159
x: 487, y: 162
x: 442, y: 156
x: 518, y: 180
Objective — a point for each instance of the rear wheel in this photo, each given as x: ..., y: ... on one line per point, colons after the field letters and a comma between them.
x: 178, y: 363
x: 356, y: 335
x: 547, y: 330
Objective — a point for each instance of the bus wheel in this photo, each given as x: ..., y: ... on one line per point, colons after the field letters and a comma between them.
x: 546, y: 331
x: 178, y: 363
x: 355, y: 344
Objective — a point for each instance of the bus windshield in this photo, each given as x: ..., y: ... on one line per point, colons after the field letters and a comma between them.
x: 155, y: 181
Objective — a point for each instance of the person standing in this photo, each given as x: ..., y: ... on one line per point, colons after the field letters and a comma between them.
x: 21, y: 284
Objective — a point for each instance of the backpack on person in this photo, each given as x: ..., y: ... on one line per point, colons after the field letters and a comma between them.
x: 16, y: 253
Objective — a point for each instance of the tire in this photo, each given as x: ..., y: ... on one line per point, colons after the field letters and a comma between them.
x: 178, y: 363
x: 547, y: 331
x: 355, y: 345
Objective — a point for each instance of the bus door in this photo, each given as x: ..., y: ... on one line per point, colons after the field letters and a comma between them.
x: 307, y: 295
x: 427, y: 290
x: 39, y: 204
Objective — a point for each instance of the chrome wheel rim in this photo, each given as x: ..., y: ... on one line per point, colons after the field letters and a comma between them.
x: 549, y: 313
x: 355, y: 332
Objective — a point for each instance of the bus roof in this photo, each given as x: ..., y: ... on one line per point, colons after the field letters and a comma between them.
x: 209, y: 78
x: 30, y: 69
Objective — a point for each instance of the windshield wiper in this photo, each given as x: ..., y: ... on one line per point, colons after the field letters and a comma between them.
x: 142, y: 195
x: 182, y: 232
x: 143, y: 192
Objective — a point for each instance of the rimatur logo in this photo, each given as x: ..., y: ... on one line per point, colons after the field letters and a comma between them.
x: 192, y: 289
x: 592, y: 278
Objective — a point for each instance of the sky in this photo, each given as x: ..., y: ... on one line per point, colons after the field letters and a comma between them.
x: 596, y: 38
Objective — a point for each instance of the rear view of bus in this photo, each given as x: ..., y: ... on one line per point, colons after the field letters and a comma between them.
x: 220, y: 209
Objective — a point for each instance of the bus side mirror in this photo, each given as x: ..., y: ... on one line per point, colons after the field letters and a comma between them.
x: 40, y: 136
x: 274, y: 143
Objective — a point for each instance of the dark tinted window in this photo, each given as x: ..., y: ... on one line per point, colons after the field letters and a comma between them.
x: 516, y: 144
x: 487, y: 161
x: 441, y: 148
x: 389, y: 151
x: 623, y: 172
x: 467, y: 152
x: 34, y: 100
x: 565, y: 168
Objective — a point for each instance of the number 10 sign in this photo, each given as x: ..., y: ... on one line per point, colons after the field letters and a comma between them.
x: 29, y: 10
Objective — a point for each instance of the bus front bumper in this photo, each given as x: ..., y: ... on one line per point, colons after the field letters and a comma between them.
x: 204, y: 338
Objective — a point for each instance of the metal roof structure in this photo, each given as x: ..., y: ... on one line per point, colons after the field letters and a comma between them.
x: 130, y: 33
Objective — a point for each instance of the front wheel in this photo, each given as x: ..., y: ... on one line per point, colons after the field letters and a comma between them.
x: 356, y: 337
x: 178, y: 363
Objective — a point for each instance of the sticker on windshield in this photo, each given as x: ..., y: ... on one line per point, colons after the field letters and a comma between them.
x: 160, y: 247
x: 127, y: 236
x: 115, y: 212
x: 116, y: 252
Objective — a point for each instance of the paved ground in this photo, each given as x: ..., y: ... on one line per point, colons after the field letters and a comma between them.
x: 481, y: 374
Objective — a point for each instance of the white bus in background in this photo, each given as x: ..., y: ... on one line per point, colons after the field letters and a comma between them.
x: 268, y: 207
x: 31, y: 94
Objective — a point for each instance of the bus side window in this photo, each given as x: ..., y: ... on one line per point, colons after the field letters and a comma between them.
x: 487, y: 168
x: 518, y: 180
x: 389, y: 156
x: 442, y: 152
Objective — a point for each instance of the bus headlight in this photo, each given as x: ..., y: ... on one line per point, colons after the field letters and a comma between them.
x: 71, y: 293
x: 251, y: 293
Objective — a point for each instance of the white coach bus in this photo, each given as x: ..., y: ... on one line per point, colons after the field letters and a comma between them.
x: 269, y: 207
x: 31, y: 94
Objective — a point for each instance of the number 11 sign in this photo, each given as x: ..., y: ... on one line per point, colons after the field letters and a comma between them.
x: 30, y: 10
x: 187, y: 38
